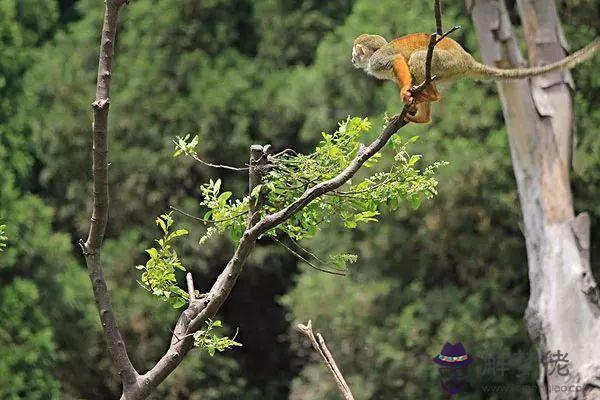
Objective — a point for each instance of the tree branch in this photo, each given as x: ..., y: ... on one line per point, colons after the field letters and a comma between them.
x: 91, y: 247
x: 199, y: 311
x: 139, y: 387
x: 438, y: 17
x: 319, y: 345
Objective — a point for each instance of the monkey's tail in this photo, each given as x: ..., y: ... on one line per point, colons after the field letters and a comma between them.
x: 482, y: 71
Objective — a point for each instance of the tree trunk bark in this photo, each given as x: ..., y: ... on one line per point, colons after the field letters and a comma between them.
x: 563, y: 310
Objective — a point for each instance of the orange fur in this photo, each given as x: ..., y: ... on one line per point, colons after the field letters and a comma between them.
x: 403, y: 61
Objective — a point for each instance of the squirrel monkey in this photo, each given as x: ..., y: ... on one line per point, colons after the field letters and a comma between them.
x: 403, y: 61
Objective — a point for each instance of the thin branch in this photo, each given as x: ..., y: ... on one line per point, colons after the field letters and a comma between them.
x: 207, y: 221
x: 338, y: 273
x: 369, y: 189
x: 307, y: 251
x: 438, y: 17
x: 221, y: 166
x: 292, y: 151
x: 319, y: 345
x: 91, y: 247
x: 300, y: 186
x: 179, y: 339
x: 433, y: 41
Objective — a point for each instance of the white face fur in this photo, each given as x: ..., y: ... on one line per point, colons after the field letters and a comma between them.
x: 360, y: 56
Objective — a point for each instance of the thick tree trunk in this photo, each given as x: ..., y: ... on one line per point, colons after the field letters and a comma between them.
x: 563, y: 311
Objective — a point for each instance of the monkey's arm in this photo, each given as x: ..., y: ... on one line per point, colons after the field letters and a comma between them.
x: 403, y: 78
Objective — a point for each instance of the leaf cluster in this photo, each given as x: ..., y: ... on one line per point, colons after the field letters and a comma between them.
x: 158, y: 276
x: 208, y: 340
x: 287, y: 176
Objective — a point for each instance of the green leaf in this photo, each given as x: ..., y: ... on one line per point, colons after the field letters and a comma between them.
x: 152, y: 252
x: 415, y: 202
x: 177, y: 233
x: 177, y: 301
x: 412, y: 140
x: 414, y: 159
x: 255, y: 192
x: 224, y: 197
x: 162, y: 224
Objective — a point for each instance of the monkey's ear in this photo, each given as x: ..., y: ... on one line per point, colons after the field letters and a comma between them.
x: 360, y: 50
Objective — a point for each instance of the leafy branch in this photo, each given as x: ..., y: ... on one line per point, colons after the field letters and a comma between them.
x: 404, y: 182
x: 187, y: 145
x: 207, y: 339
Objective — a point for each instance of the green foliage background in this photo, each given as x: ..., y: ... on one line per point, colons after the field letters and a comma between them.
x: 238, y: 72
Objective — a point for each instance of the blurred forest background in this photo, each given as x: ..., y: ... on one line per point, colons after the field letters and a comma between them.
x: 238, y: 72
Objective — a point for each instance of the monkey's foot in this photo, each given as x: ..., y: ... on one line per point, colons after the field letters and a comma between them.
x: 424, y: 97
x: 417, y: 120
x: 410, y: 114
x: 417, y: 116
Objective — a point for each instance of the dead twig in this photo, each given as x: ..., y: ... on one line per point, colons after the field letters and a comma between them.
x: 319, y: 345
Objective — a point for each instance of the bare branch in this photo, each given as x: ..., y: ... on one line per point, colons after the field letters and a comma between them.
x: 438, y: 17
x: 433, y: 41
x: 91, y: 247
x: 313, y: 255
x: 319, y: 345
x: 219, y: 166
x: 295, y: 253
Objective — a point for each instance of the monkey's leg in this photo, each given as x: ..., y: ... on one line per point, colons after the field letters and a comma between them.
x: 403, y: 78
x: 422, y: 116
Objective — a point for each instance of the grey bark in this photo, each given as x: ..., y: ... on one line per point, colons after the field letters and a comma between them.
x: 563, y: 310
x: 91, y: 247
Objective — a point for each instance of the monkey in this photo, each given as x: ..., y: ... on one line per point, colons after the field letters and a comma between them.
x: 403, y: 61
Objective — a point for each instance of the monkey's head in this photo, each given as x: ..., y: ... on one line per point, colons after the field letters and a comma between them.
x: 364, y: 47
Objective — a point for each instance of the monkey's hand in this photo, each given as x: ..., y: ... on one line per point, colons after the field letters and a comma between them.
x: 406, y: 94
